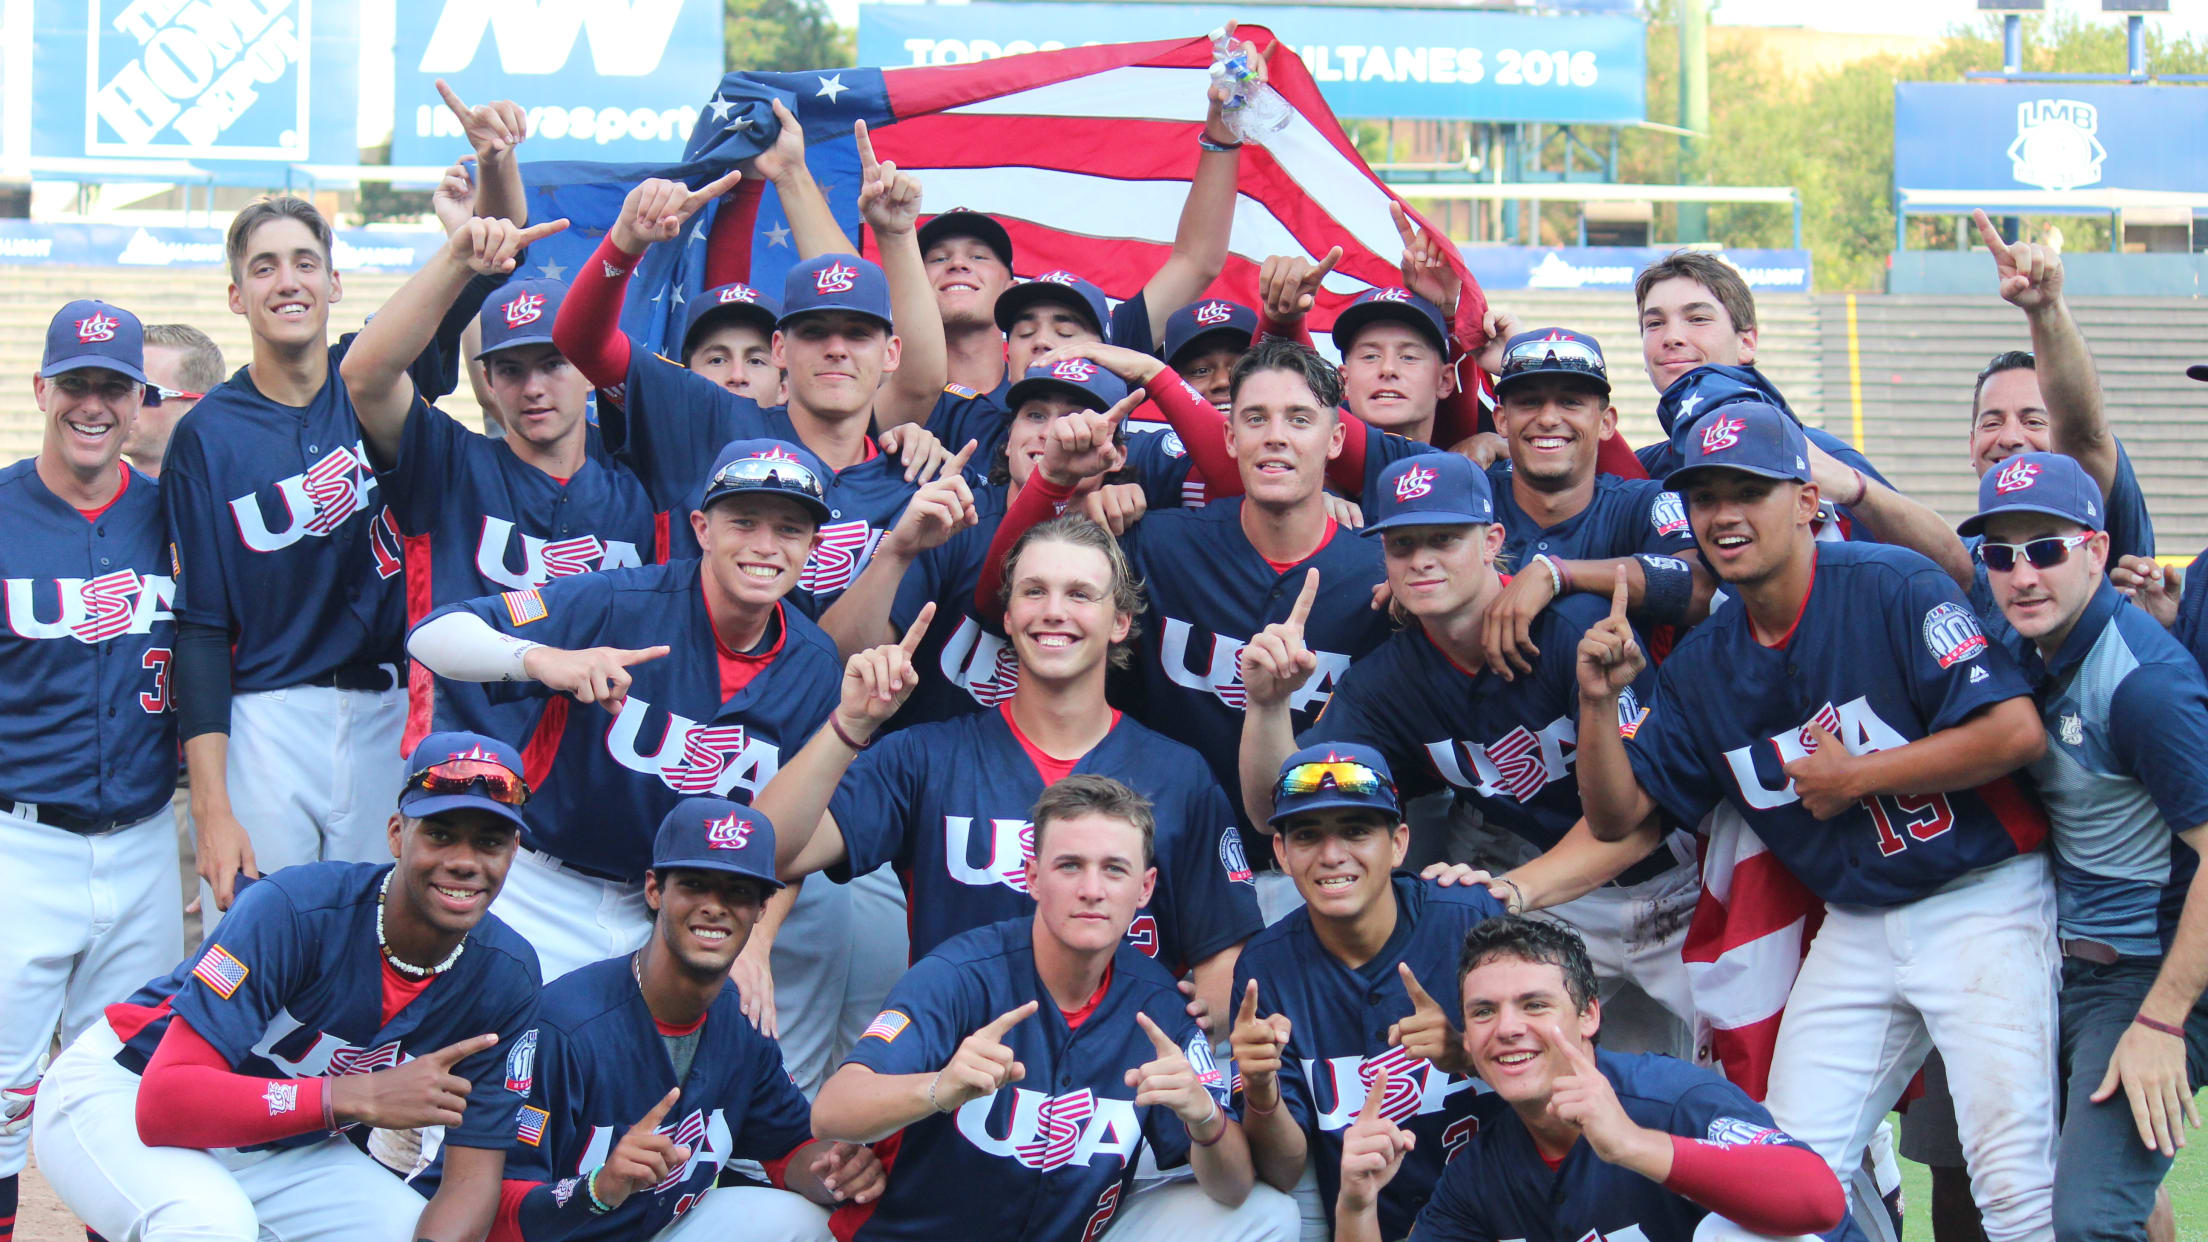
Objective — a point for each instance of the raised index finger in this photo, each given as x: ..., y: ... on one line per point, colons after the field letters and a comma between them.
x: 1989, y: 235
x: 1375, y: 1096
x: 1158, y: 1038
x: 1620, y: 594
x: 535, y: 231
x: 1326, y: 265
x: 957, y: 465
x: 1248, y: 1011
x: 715, y: 188
x: 452, y: 101
x: 1004, y: 1022
x: 911, y: 641
x: 867, y: 163
x: 1302, y: 610
x: 452, y: 1054
x: 1419, y: 995
x: 651, y: 1120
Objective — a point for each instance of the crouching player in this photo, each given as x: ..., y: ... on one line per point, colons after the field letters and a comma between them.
x: 1592, y: 1144
x: 646, y: 1079
x: 211, y: 1105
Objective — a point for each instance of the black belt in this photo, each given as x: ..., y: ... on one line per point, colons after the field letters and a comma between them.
x: 376, y: 677
x: 55, y: 817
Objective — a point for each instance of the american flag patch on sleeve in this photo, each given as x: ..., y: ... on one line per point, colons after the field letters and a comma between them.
x: 524, y: 606
x: 529, y: 1124
x: 221, y: 972
x: 887, y: 1027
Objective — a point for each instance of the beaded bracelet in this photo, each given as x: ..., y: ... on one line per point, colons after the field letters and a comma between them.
x: 590, y: 1187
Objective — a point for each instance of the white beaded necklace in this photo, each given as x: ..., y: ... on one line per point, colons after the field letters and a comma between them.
x: 408, y: 968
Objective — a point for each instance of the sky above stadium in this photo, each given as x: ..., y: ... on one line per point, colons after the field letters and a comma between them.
x: 1925, y: 17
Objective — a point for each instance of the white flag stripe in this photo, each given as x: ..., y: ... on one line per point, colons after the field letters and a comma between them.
x: 1751, y: 981
x: 1339, y: 187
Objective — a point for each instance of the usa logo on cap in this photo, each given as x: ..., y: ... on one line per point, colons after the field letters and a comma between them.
x: 1079, y: 370
x: 739, y: 293
x: 1391, y: 295
x: 1060, y: 277
x: 727, y: 833
x: 1416, y: 482
x: 525, y: 309
x: 2016, y: 476
x: 1722, y: 434
x: 837, y: 277
x: 476, y: 752
x: 100, y: 327
x: 777, y: 453
x: 1213, y: 312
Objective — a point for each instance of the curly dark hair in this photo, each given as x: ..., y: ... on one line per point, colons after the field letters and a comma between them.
x: 1531, y: 940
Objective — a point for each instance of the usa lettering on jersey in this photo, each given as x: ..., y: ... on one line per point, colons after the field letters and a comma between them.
x: 844, y: 549
x: 301, y: 1051
x: 1517, y: 765
x: 543, y: 560
x: 317, y: 501
x: 692, y: 758
x: 90, y: 610
x: 1854, y: 722
x: 980, y: 663
x: 1046, y: 1132
x: 1416, y: 1087
x: 1218, y: 670
x: 705, y: 1133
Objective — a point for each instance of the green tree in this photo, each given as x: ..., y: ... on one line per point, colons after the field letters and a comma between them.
x: 786, y: 35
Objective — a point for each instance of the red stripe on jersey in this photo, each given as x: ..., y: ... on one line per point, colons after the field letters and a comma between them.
x: 421, y: 685
x: 662, y: 540
x: 544, y: 741
x: 847, y: 1220
x: 127, y: 1019
x: 1766, y: 898
x: 2021, y: 816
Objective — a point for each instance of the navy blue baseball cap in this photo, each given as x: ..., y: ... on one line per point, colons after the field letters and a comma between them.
x: 520, y: 313
x: 1552, y: 351
x: 714, y: 834
x: 836, y: 282
x: 1711, y: 385
x: 1079, y: 378
x: 1401, y: 305
x: 1201, y: 320
x: 774, y: 467
x: 92, y: 333
x: 1062, y: 288
x: 1747, y: 436
x: 959, y: 222
x: 1430, y: 489
x: 1334, y: 774
x: 737, y: 301
x: 2049, y: 483
x: 457, y: 770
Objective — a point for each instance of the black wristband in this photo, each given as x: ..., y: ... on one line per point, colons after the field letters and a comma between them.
x: 1667, y: 588
x: 1207, y: 143
x: 202, y: 680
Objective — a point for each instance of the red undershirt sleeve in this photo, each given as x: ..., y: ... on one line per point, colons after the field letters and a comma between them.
x: 1039, y: 501
x: 1299, y: 331
x: 189, y: 1096
x: 728, y: 246
x: 588, y: 330
x: 1764, y: 1188
x: 506, y: 1227
x: 1202, y: 429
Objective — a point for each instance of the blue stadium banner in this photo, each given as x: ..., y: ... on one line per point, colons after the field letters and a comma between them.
x: 2058, y: 136
x: 238, y: 87
x: 123, y: 245
x: 616, y: 80
x: 1443, y: 64
x: 1614, y: 267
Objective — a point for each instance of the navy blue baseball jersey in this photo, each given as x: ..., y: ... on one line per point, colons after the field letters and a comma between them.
x: 1623, y: 517
x: 977, y: 665
x: 269, y: 502
x: 87, y: 728
x: 600, y: 787
x: 1050, y: 1158
x: 946, y: 804
x: 291, y: 986
x: 671, y: 422
x: 1503, y: 747
x: 1210, y: 593
x: 963, y: 414
x: 476, y: 520
x: 2191, y: 626
x: 1885, y: 652
x: 600, y: 1065
x: 1499, y: 1186
x: 1338, y: 1038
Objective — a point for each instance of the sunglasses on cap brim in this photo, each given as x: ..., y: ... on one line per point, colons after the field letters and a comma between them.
x: 156, y: 394
x: 772, y: 474
x: 1553, y: 356
x: 2042, y: 553
x: 460, y: 776
x: 1341, y: 775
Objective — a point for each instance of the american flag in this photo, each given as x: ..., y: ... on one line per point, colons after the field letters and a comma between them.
x: 529, y: 1126
x: 221, y: 972
x: 886, y: 1026
x: 1084, y: 154
x: 1751, y: 928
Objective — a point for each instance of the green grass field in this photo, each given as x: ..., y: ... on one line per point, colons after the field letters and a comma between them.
x: 2188, y: 1183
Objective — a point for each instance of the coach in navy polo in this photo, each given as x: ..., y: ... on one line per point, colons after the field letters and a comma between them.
x: 2125, y: 783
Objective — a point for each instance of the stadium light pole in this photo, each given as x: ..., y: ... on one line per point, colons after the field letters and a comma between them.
x: 1694, y: 111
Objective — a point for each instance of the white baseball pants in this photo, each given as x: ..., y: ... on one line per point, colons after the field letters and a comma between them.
x: 569, y: 918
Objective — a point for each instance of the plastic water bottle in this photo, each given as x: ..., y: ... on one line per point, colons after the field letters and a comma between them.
x: 1253, y: 110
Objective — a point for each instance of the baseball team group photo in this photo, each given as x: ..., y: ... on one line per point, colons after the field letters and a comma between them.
x: 1044, y: 622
